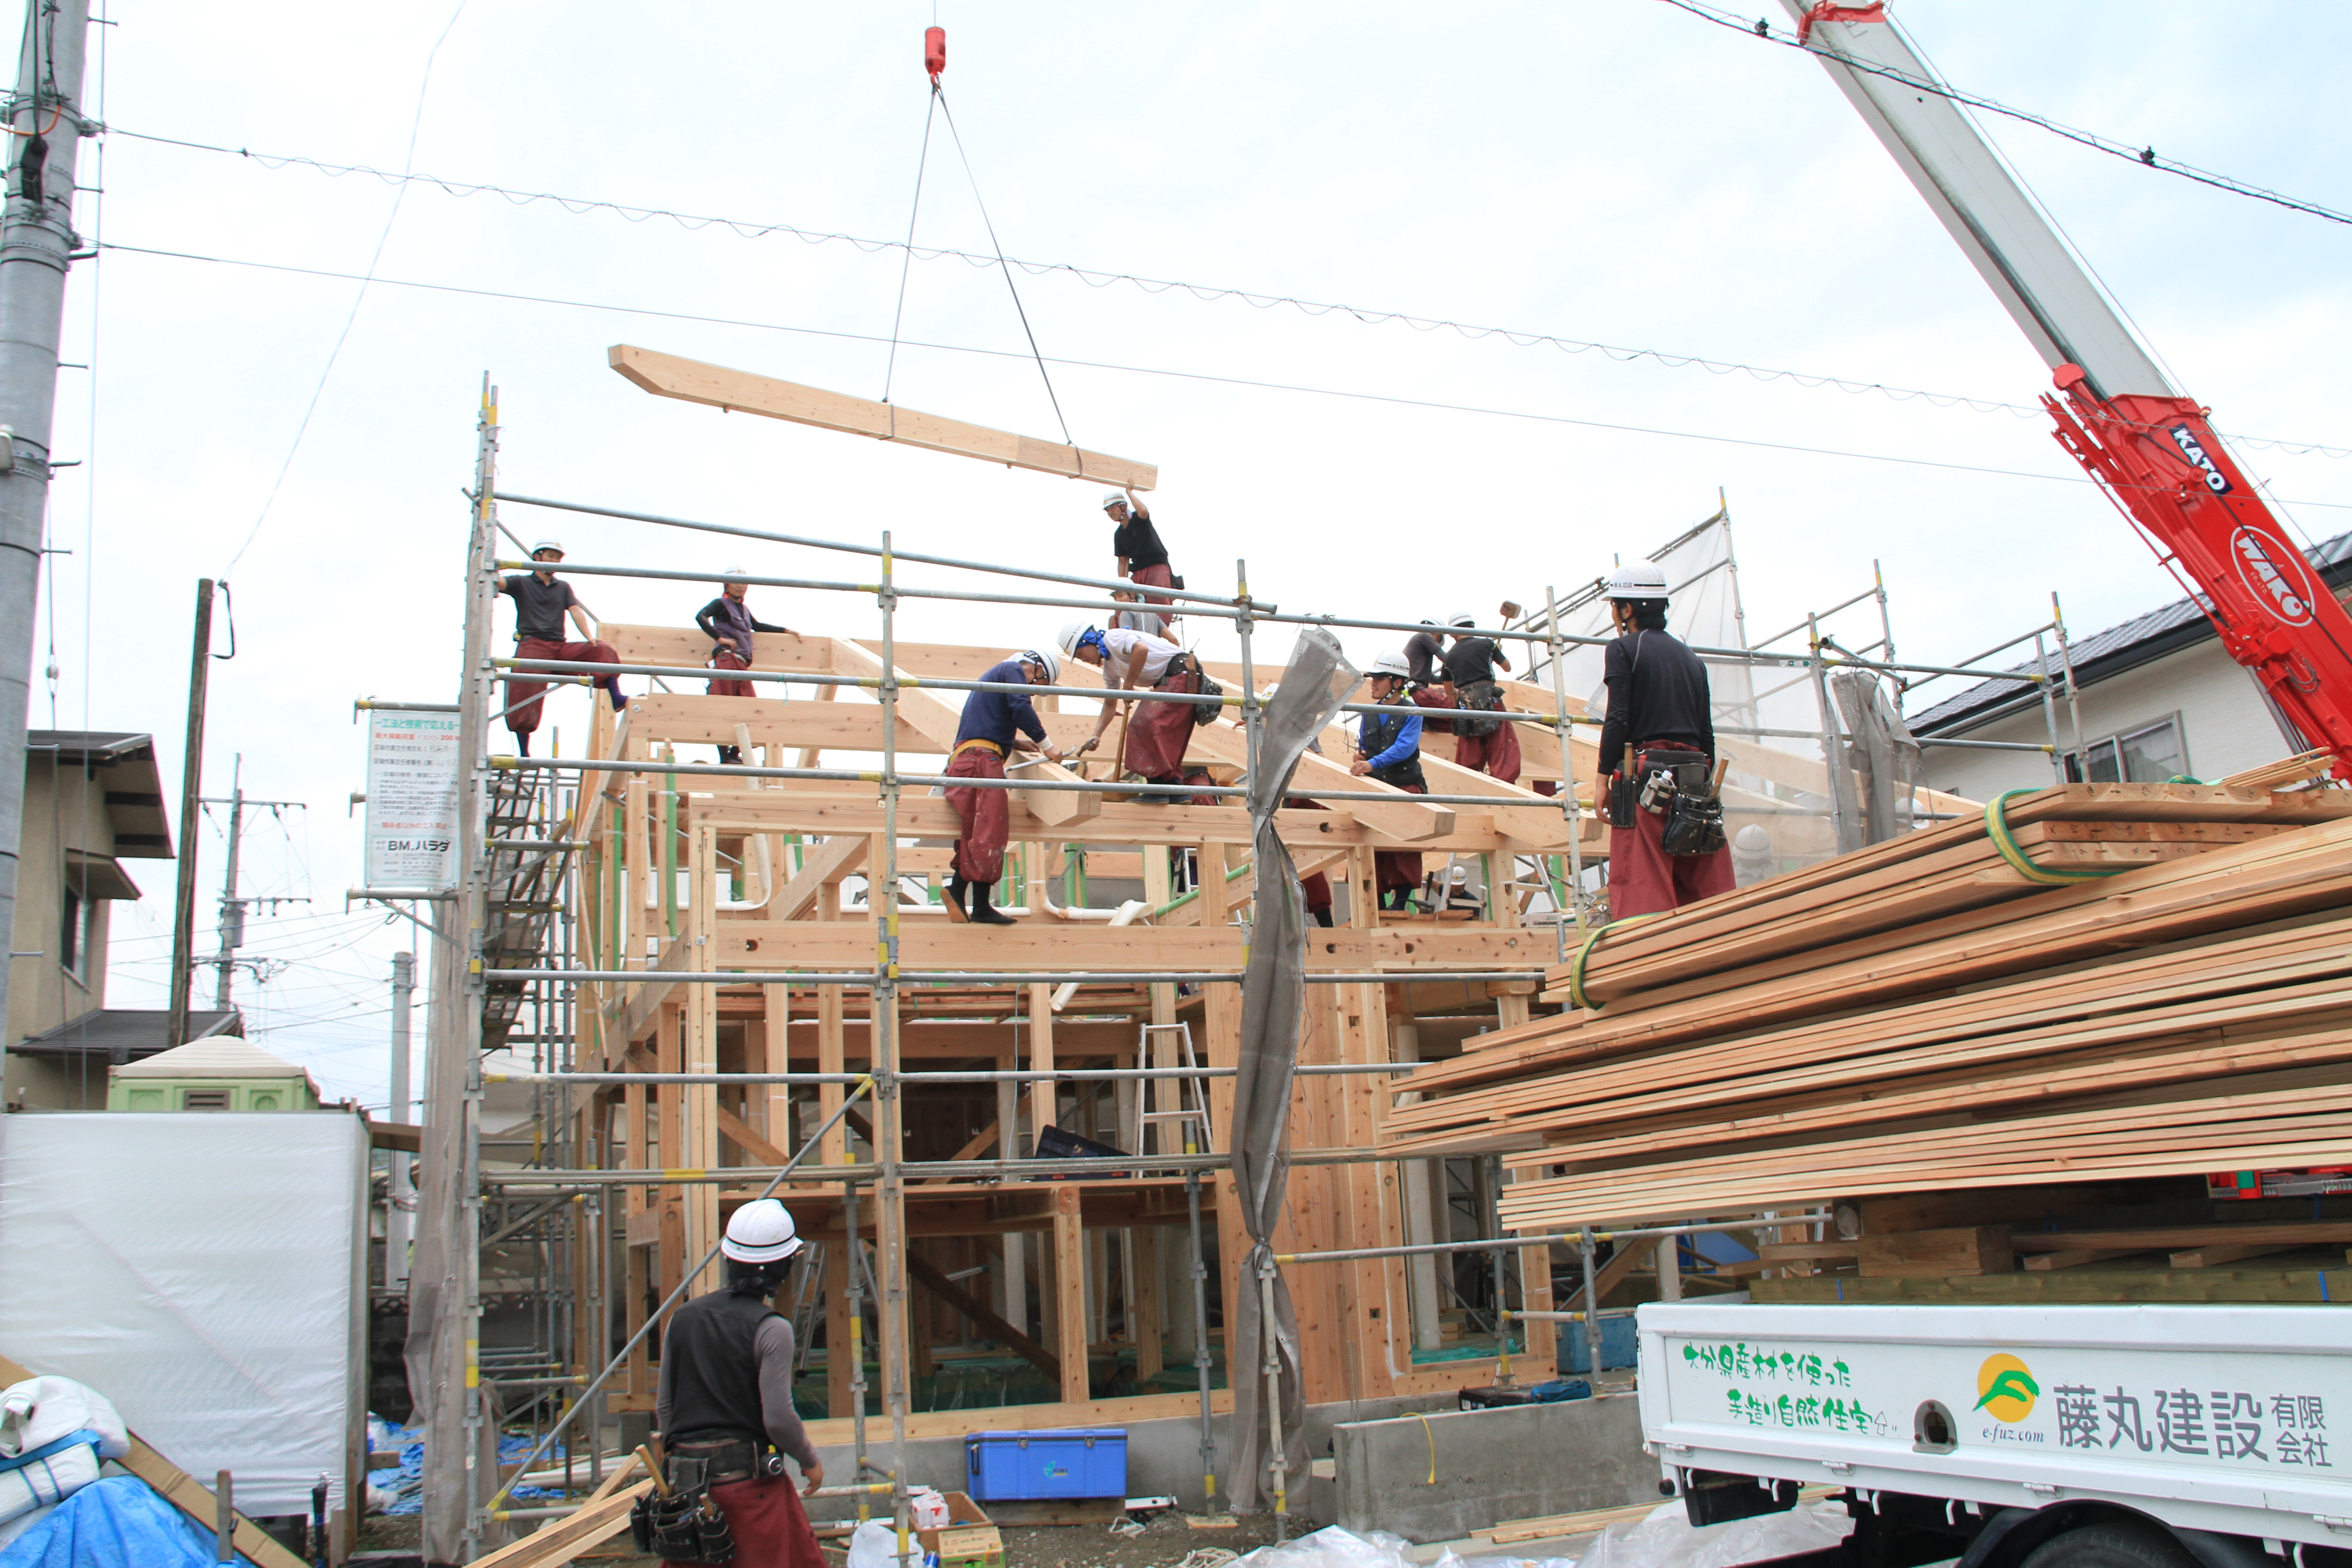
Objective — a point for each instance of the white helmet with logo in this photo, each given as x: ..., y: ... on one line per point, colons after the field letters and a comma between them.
x: 1043, y: 657
x: 1390, y: 663
x: 1112, y: 498
x: 1638, y: 579
x: 545, y: 545
x: 1071, y: 636
x: 762, y: 1231
x: 1465, y: 619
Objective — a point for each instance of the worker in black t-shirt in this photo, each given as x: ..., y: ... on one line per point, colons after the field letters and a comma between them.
x: 1142, y: 559
x: 1659, y: 708
x: 543, y: 600
x: 1490, y: 746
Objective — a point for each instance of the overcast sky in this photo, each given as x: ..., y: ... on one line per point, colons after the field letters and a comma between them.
x: 1609, y: 171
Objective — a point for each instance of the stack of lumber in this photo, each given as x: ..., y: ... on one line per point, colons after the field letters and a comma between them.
x: 1925, y: 1015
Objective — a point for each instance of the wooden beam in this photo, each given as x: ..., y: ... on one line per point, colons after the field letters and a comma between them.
x: 645, y: 1008
x: 741, y: 392
x: 955, y: 1296
x: 565, y: 1539
x: 830, y: 862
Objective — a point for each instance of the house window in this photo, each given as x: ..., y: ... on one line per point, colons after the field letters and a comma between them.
x: 2150, y: 754
x: 73, y: 933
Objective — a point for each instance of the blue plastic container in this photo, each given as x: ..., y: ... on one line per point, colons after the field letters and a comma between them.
x: 1068, y: 1462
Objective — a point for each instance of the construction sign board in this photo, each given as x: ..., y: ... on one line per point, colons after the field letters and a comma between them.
x: 411, y: 800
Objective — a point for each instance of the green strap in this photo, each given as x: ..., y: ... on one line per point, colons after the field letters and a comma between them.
x: 1997, y: 829
x: 1576, y: 996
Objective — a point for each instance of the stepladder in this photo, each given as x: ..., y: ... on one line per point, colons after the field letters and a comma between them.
x: 1179, y: 1106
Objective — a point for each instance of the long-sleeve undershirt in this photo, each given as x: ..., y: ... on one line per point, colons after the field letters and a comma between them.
x: 773, y: 1348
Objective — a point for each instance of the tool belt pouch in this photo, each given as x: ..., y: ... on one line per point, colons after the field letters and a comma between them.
x: 1175, y: 679
x: 1694, y: 814
x: 686, y: 1526
x: 1478, y: 697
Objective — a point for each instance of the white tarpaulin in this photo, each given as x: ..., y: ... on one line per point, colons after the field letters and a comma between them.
x: 411, y: 800
x: 203, y: 1271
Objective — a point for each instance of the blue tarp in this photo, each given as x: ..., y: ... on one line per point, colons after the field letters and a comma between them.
x: 405, y: 1485
x: 116, y: 1523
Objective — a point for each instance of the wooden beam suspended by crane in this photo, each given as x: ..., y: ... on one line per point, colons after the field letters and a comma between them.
x: 741, y: 392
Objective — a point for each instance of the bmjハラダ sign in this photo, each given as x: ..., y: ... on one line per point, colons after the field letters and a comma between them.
x: 411, y: 800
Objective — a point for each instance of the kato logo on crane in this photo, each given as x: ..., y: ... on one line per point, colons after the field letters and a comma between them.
x: 2194, y: 450
x: 2005, y: 1389
x: 2273, y: 573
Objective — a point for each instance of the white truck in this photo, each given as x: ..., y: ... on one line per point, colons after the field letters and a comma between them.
x: 2013, y: 1436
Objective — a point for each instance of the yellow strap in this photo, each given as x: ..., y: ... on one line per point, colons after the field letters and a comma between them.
x: 1432, y: 1436
x: 1576, y: 996
x: 1997, y: 829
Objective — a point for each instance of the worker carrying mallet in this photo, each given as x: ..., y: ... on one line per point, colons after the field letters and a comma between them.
x: 725, y: 1402
x: 729, y: 623
x: 1388, y: 748
x: 995, y: 723
x: 541, y: 601
x: 1488, y: 745
x: 1659, y: 778
x: 1157, y: 732
x: 1142, y: 559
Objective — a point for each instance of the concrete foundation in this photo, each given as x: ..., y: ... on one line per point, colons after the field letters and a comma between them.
x: 1440, y: 1475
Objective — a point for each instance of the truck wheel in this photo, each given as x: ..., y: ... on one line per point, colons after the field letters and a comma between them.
x: 2110, y: 1545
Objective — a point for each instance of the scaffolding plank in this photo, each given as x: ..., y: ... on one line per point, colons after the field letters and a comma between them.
x: 745, y: 391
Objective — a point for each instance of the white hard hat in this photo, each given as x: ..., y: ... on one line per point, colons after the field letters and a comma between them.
x: 734, y: 575
x: 1071, y: 636
x: 1638, y: 579
x: 1043, y: 657
x: 762, y: 1231
x: 545, y: 545
x: 1390, y: 663
x: 1463, y: 619
x: 1112, y: 498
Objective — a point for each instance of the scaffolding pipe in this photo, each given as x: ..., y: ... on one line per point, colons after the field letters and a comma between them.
x: 1202, y: 1364
x: 976, y: 1075
x: 996, y: 977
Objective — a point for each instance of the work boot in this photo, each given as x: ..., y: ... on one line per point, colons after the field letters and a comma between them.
x: 1321, y: 917
x: 985, y: 914
x: 522, y: 743
x: 956, y: 885
x: 731, y: 756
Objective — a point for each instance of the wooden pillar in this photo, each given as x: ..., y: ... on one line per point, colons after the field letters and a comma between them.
x: 837, y: 1369
x: 699, y: 1103
x: 637, y: 1210
x: 1670, y: 1269
x: 1043, y: 1111
x: 834, y: 1149
x: 1070, y: 1286
x: 776, y: 1099
x: 1144, y: 1277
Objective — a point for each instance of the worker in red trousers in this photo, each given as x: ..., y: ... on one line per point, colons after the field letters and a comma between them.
x: 1659, y: 706
x: 543, y: 600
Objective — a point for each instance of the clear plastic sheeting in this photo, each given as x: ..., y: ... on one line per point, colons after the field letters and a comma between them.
x: 1333, y: 1547
x: 203, y: 1272
x: 1668, y: 1538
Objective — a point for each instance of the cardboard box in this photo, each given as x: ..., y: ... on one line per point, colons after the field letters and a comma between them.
x: 968, y: 1539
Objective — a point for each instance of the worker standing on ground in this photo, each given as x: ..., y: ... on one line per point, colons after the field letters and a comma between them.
x: 1488, y: 745
x: 995, y: 723
x: 726, y: 1396
x: 1388, y: 748
x: 1660, y: 708
x: 1157, y: 732
x: 1142, y: 559
x: 541, y: 601
x: 729, y: 623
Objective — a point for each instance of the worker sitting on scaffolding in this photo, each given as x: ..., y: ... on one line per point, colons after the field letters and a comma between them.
x: 1135, y: 543
x: 990, y: 720
x: 1488, y: 745
x: 541, y: 601
x: 725, y: 1397
x: 1152, y: 751
x: 1666, y: 835
x: 1388, y: 748
x: 729, y: 623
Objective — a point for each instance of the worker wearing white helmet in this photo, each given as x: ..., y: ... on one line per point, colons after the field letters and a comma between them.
x: 1388, y: 748
x: 1488, y: 745
x: 729, y: 623
x: 543, y: 600
x: 1658, y: 778
x: 725, y: 1402
x: 995, y: 724
x: 1142, y: 559
x: 1153, y: 748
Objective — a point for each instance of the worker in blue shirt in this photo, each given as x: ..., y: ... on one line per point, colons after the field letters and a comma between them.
x: 995, y: 723
x: 1388, y: 748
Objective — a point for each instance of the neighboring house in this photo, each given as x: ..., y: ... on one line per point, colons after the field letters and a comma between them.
x: 222, y: 1073
x: 2160, y: 698
x: 92, y: 801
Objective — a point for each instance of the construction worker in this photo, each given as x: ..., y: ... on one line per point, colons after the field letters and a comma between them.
x: 995, y: 723
x: 1484, y: 745
x: 726, y: 1396
x: 1135, y: 541
x: 1131, y: 616
x: 1157, y: 732
x: 1659, y: 707
x: 729, y: 623
x: 541, y: 601
x: 1388, y: 748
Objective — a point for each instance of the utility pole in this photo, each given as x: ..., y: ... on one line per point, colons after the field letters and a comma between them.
x: 191, y: 774
x: 233, y: 908
x: 37, y: 245
x: 395, y: 1218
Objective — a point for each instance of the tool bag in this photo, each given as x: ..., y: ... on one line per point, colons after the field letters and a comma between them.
x: 1477, y: 696
x: 1680, y: 786
x: 685, y: 1526
x: 1213, y: 695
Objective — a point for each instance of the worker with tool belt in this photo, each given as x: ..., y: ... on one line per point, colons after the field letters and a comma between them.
x: 1157, y: 732
x: 1489, y: 745
x: 1667, y: 846
x: 541, y: 601
x: 729, y: 623
x: 1388, y: 748
x: 1142, y: 559
x: 990, y: 720
x: 725, y: 1405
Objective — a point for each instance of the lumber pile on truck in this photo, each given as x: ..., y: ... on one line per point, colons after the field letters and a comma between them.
x: 1941, y: 1013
